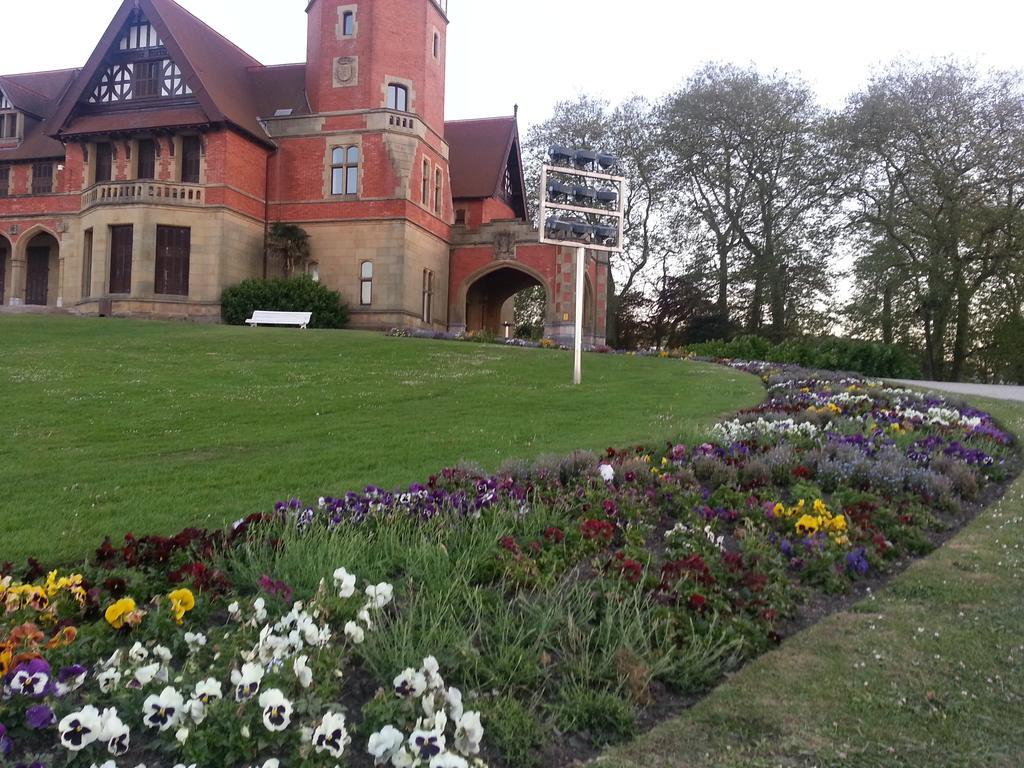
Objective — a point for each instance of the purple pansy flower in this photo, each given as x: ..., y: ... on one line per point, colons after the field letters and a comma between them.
x: 5, y: 741
x: 31, y: 679
x: 857, y: 562
x: 39, y: 717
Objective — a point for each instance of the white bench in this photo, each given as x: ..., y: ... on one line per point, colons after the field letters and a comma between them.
x: 264, y: 317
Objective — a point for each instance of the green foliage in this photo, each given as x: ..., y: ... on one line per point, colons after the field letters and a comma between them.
x: 291, y: 294
x: 829, y: 353
x: 515, y: 730
x: 289, y: 244
x: 606, y: 717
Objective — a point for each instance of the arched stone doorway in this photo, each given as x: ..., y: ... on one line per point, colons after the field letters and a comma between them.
x: 489, y: 298
x: 42, y: 270
x: 5, y: 271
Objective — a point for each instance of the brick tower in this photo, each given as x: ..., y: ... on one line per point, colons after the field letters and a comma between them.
x: 379, y: 218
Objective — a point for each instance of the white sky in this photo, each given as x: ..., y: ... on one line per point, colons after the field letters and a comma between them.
x: 502, y: 53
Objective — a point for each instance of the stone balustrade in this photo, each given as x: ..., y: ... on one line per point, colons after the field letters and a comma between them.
x: 151, y: 192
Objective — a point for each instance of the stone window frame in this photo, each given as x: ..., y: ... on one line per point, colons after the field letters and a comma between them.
x: 425, y: 185
x: 410, y: 92
x: 365, y: 283
x: 346, y: 166
x: 438, y: 190
x: 339, y: 29
x: 428, y: 296
x: 337, y: 142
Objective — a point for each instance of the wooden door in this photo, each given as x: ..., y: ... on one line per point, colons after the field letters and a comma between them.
x: 37, y: 281
x: 121, y: 259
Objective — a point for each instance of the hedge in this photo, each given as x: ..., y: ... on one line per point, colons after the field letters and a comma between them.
x: 293, y: 294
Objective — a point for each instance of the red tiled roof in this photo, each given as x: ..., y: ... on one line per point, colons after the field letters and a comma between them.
x: 280, y: 87
x: 35, y: 94
x: 136, y: 120
x: 480, y: 152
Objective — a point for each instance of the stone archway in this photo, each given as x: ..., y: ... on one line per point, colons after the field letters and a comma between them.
x: 487, y: 297
x: 41, y: 264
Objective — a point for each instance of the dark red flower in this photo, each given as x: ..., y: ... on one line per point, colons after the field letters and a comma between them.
x: 697, y: 602
x: 554, y: 535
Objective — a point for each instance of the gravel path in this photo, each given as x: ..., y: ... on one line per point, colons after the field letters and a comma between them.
x: 997, y: 391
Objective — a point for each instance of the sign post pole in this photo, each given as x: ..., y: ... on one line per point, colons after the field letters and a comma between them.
x: 581, y: 259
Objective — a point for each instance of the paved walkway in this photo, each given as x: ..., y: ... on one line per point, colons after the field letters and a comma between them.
x: 997, y: 391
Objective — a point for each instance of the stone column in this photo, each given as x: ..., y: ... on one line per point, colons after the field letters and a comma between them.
x: 60, y: 280
x: 18, y: 276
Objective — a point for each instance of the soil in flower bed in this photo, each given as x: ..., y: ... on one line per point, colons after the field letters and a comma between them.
x: 523, y: 618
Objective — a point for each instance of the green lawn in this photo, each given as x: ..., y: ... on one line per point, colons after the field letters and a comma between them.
x: 927, y: 674
x: 115, y: 425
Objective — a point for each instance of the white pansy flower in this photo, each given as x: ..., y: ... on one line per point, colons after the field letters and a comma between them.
x: 448, y: 760
x: 385, y: 744
x: 143, y: 676
x: 80, y: 729
x: 259, y: 610
x: 354, y: 632
x: 247, y: 681
x: 108, y: 680
x: 331, y: 736
x: 468, y: 733
x: 454, y: 699
x: 302, y: 671
x: 345, y: 582
x: 380, y: 595
x: 426, y: 744
x: 138, y: 653
x: 607, y: 472
x: 114, y: 733
x: 163, y: 711
x: 410, y: 684
x: 181, y: 736
x: 431, y: 671
x: 234, y: 611
x: 277, y: 710
x: 195, y: 641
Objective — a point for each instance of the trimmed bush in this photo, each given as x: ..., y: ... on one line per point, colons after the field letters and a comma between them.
x: 292, y: 294
x: 829, y: 353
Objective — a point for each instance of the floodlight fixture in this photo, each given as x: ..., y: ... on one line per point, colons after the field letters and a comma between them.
x: 586, y: 160
x: 559, y: 191
x: 605, y: 235
x: 607, y: 162
x: 584, y: 194
x: 560, y: 155
x: 607, y: 195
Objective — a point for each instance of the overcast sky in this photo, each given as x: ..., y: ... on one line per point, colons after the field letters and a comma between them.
x: 519, y: 51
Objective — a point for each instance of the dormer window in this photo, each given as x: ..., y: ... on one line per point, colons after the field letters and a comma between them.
x: 9, y: 125
x: 398, y: 97
x: 140, y: 36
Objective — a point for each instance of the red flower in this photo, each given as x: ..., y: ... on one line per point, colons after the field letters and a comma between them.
x: 554, y: 535
x: 597, y: 530
x: 802, y: 472
x: 697, y: 602
x: 510, y: 544
x: 535, y: 547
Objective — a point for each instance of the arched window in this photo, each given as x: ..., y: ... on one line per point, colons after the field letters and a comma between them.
x: 345, y: 171
x: 437, y: 45
x: 348, y: 24
x: 426, y: 183
x: 366, y: 283
x: 428, y: 296
x: 437, y: 191
x: 398, y: 97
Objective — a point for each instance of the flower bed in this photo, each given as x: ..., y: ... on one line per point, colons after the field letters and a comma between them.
x: 569, y: 601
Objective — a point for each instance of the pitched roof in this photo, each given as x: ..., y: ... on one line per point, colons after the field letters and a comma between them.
x: 35, y: 94
x: 480, y: 151
x: 280, y: 87
x: 218, y: 71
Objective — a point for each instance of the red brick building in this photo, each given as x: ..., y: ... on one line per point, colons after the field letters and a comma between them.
x: 144, y: 183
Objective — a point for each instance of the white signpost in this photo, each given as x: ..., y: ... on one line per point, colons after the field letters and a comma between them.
x: 581, y: 205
